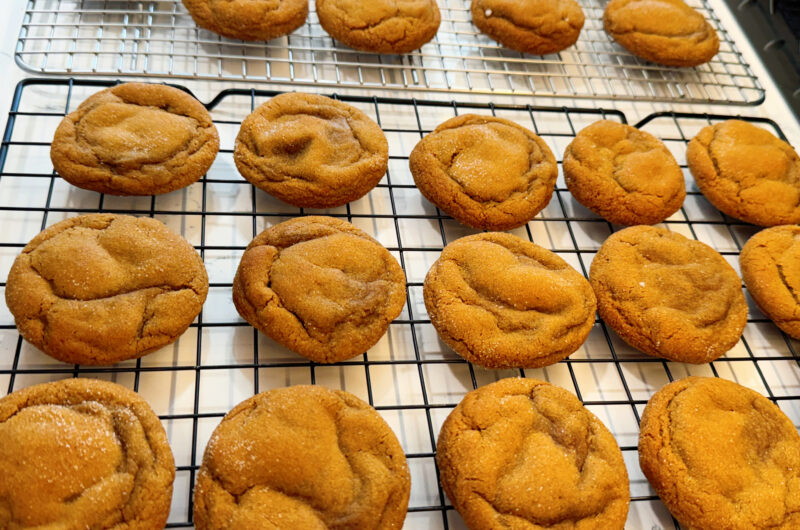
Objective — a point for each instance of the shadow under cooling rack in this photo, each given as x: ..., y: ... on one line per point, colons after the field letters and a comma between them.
x: 410, y: 376
x: 159, y: 38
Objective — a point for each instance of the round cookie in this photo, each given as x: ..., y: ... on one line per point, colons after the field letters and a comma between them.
x: 770, y: 263
x: 667, y: 32
x: 135, y: 139
x: 721, y: 456
x: 625, y: 175
x: 502, y: 302
x: 383, y: 26
x: 248, y: 19
x: 667, y: 295
x: 82, y: 453
x: 319, y: 286
x: 525, y: 454
x: 486, y: 172
x: 311, y: 151
x: 539, y: 27
x: 302, y: 457
x: 103, y: 288
x: 747, y: 173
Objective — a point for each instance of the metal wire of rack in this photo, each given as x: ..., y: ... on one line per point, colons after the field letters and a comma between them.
x: 410, y: 376
x: 159, y: 38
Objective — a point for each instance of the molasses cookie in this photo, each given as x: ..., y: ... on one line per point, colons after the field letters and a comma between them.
x: 721, y: 456
x: 383, y: 26
x: 667, y: 32
x: 502, y: 302
x: 82, y: 453
x: 135, y: 139
x: 770, y: 263
x: 248, y: 19
x: 668, y: 296
x: 530, y: 26
x: 102, y: 288
x: 525, y: 454
x: 302, y: 457
x: 319, y: 286
x: 625, y: 175
x: 311, y: 151
x: 486, y: 172
x: 747, y: 173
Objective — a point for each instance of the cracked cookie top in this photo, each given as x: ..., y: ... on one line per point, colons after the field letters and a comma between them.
x: 721, y: 455
x: 102, y: 288
x: 525, y: 454
x: 135, y: 139
x: 623, y: 174
x: 747, y: 173
x: 302, y: 457
x: 82, y: 453
x: 486, y: 172
x: 770, y: 263
x: 500, y: 301
x: 383, y: 26
x: 667, y: 32
x: 530, y: 26
x: 667, y: 295
x: 311, y: 151
x: 248, y: 19
x: 319, y: 286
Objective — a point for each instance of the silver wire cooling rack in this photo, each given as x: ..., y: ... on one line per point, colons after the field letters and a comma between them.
x: 410, y: 376
x: 159, y: 38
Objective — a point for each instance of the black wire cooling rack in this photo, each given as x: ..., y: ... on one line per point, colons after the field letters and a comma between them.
x: 410, y: 376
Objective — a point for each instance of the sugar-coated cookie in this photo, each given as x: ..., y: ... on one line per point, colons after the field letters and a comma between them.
x: 525, y: 454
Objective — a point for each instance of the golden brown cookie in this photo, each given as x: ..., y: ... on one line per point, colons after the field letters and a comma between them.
x: 486, y: 172
x: 135, y: 139
x: 82, y: 453
x: 668, y: 296
x: 248, y: 19
x: 770, y: 263
x: 102, y: 288
x: 525, y: 454
x: 319, y: 286
x: 302, y: 457
x: 747, y: 173
x: 383, y: 26
x: 530, y: 26
x: 625, y: 175
x: 502, y: 302
x: 667, y: 32
x: 311, y: 151
x: 721, y: 456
